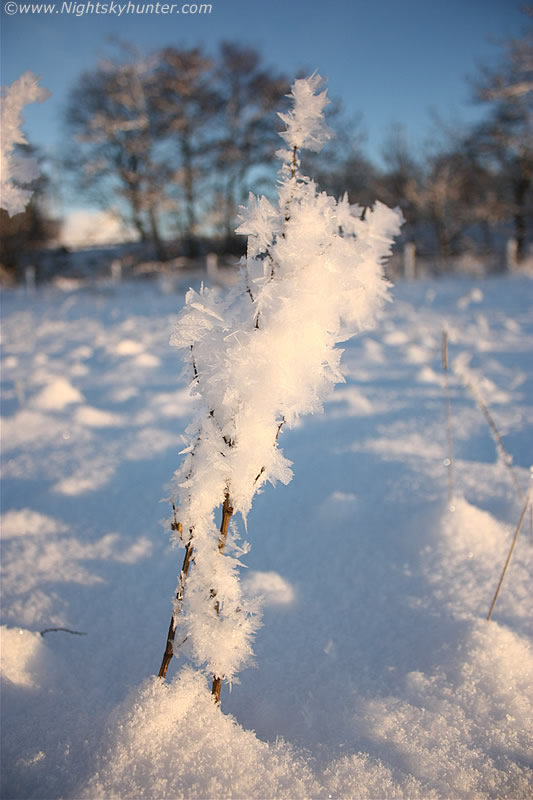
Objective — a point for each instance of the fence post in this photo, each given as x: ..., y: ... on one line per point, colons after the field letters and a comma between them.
x: 211, y: 263
x: 116, y: 270
x: 30, y: 275
x: 511, y: 252
x: 409, y: 261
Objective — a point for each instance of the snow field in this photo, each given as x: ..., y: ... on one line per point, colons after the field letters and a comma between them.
x: 376, y: 673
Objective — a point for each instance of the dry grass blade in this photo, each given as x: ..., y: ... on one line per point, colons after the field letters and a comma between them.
x: 509, y: 554
x: 506, y: 457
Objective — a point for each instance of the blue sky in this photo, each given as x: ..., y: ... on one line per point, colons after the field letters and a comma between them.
x: 391, y: 60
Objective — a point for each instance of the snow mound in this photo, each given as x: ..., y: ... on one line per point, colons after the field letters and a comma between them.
x: 19, y: 650
x: 26, y: 522
x: 271, y: 587
x: 474, y: 711
x: 468, y: 560
x: 57, y: 395
x: 169, y: 740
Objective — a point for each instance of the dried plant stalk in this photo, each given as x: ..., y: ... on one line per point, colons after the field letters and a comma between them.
x: 169, y: 648
x: 227, y: 511
x: 509, y: 554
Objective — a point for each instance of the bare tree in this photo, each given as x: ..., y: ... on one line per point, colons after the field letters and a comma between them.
x: 185, y: 102
x: 400, y: 181
x: 116, y: 142
x: 31, y: 230
x: 249, y: 98
x: 505, y: 138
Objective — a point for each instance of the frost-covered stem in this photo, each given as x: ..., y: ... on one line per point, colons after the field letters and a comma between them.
x: 216, y: 689
x: 448, y: 416
x: 507, y: 459
x: 227, y: 511
x: 510, y: 553
x: 280, y: 426
x: 313, y: 277
x: 294, y: 161
x: 169, y: 648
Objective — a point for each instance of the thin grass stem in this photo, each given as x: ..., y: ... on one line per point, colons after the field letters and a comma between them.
x: 509, y: 554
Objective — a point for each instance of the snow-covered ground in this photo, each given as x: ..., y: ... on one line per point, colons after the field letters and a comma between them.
x: 377, y: 674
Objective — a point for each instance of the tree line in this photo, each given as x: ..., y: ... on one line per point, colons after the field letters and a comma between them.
x: 175, y: 140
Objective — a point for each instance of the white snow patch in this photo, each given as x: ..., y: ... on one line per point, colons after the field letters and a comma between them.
x: 29, y: 523
x: 87, y: 478
x: 271, y: 587
x: 57, y: 395
x: 147, y: 360
x: 129, y: 347
x: 20, y: 651
x: 97, y: 418
x: 169, y: 740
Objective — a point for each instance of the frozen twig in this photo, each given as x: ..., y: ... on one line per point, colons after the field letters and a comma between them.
x: 63, y: 630
x: 264, y: 355
x: 227, y: 511
x: 169, y: 647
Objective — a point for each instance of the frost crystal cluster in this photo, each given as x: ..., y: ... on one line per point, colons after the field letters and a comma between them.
x: 261, y: 357
x: 16, y: 170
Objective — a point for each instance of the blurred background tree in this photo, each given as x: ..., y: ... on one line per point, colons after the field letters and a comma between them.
x: 173, y: 142
x: 29, y: 231
x: 504, y: 140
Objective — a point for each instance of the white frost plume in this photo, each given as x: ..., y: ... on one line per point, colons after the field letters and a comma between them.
x: 15, y: 170
x: 305, y: 123
x: 260, y: 358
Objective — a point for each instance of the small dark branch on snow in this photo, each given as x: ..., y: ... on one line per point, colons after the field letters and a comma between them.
x: 64, y: 630
x: 363, y: 215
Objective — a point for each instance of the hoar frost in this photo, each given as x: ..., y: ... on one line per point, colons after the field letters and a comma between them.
x: 261, y: 357
x: 14, y: 169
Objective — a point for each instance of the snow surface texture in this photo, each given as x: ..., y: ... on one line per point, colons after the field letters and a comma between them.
x: 261, y: 357
x: 16, y: 170
x: 377, y: 675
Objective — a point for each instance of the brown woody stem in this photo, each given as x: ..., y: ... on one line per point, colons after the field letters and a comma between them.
x: 293, y: 165
x: 227, y: 511
x: 169, y: 648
